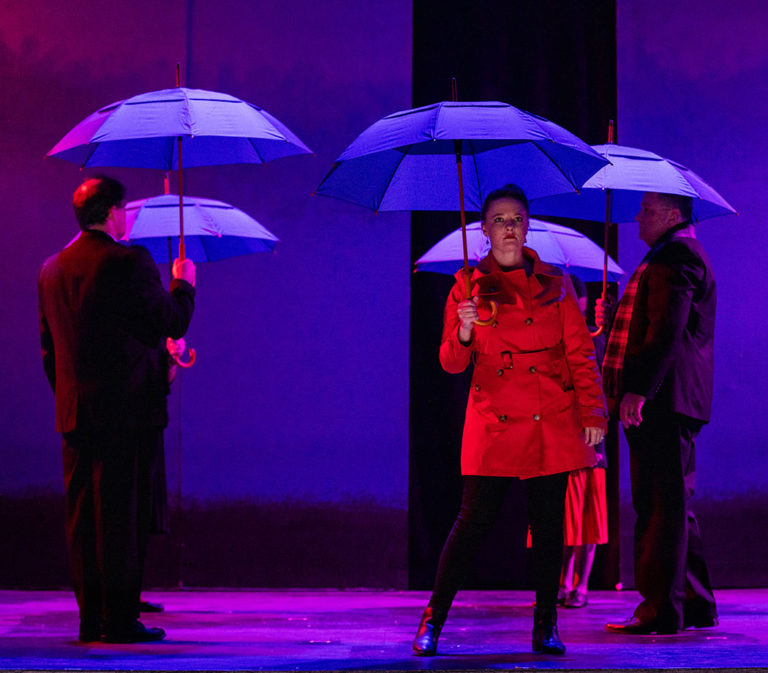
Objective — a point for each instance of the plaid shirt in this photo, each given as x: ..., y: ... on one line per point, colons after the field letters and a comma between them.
x: 617, y: 342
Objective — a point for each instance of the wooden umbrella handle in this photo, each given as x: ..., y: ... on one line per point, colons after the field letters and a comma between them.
x: 492, y: 319
x: 188, y: 363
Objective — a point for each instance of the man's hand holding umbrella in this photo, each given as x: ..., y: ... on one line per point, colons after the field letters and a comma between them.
x: 182, y: 269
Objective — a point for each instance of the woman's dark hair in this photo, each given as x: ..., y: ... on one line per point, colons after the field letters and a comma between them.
x: 578, y: 285
x: 510, y: 191
x: 94, y: 198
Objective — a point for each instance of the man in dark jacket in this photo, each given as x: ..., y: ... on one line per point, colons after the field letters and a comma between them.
x: 104, y: 319
x: 659, y: 369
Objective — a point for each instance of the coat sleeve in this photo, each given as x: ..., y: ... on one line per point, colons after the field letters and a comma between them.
x: 454, y: 356
x: 46, y: 339
x: 670, y: 282
x: 152, y: 312
x: 580, y: 355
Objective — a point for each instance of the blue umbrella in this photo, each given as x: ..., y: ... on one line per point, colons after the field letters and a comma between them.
x: 554, y: 243
x: 632, y: 172
x: 214, y: 230
x: 143, y: 132
x: 407, y: 160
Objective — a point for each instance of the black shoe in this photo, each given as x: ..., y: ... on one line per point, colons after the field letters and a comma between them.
x: 135, y: 632
x: 89, y: 632
x: 700, y: 622
x: 637, y: 627
x: 545, y: 638
x: 425, y: 642
x: 146, y: 606
x: 576, y: 599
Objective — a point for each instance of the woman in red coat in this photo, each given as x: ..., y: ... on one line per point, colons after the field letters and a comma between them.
x: 535, y: 408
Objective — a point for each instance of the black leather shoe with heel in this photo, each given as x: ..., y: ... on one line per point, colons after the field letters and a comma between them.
x: 425, y: 642
x: 545, y: 638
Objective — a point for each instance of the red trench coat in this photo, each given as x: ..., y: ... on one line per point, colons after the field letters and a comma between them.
x: 536, y: 384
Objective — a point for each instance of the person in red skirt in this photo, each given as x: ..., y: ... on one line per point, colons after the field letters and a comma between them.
x: 586, y: 516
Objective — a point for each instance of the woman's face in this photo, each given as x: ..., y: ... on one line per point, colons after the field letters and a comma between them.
x: 506, y: 225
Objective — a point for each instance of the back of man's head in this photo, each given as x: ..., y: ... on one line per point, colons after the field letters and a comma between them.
x: 683, y: 203
x: 94, y: 198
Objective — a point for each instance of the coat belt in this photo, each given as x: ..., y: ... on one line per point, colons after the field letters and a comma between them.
x: 510, y: 359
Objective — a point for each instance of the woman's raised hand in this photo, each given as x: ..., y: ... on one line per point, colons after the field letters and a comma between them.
x: 467, y: 312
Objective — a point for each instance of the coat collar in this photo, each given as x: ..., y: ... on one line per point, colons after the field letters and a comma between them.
x: 489, y: 265
x: 490, y: 281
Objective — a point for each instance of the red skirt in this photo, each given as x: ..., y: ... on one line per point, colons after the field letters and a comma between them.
x: 586, y: 515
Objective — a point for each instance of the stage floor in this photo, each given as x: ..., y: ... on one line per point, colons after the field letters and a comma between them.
x: 353, y: 630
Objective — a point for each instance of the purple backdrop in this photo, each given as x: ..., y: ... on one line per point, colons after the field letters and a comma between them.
x: 693, y: 86
x: 297, y: 410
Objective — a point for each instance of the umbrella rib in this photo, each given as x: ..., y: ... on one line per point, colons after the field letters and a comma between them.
x: 255, y: 149
x: 90, y: 154
x: 391, y: 177
x: 546, y: 154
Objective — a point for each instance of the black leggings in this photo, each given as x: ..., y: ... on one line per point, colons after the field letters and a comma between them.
x: 481, y: 501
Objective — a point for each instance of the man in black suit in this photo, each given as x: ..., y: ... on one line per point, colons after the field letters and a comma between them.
x: 104, y: 319
x: 659, y: 369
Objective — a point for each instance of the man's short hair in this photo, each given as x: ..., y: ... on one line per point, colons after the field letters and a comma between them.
x: 683, y: 203
x: 94, y: 198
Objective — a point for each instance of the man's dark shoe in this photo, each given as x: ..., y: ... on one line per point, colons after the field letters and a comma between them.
x: 135, y: 632
x: 700, y: 622
x: 636, y: 627
x: 146, y: 606
x: 89, y: 632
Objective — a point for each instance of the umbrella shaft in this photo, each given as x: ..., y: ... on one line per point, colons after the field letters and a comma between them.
x: 608, y: 199
x: 467, y: 288
x: 182, y: 249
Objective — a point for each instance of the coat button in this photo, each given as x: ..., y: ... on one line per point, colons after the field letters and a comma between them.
x: 536, y: 417
x: 532, y: 369
x: 503, y: 418
x: 529, y: 321
x: 499, y: 372
x: 477, y: 387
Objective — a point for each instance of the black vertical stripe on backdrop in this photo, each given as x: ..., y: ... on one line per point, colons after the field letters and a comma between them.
x: 556, y: 59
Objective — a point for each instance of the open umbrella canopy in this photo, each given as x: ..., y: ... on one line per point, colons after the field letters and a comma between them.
x: 142, y: 132
x: 554, y: 243
x: 214, y: 230
x: 407, y: 160
x: 632, y: 172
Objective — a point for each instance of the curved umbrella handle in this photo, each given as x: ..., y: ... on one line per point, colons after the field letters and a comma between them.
x: 492, y: 319
x: 597, y: 332
x: 188, y: 363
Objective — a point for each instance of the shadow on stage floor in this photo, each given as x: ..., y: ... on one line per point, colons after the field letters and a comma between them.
x: 372, y: 630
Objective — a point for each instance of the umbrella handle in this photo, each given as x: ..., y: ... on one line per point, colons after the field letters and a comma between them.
x: 492, y: 319
x: 597, y: 332
x: 188, y: 363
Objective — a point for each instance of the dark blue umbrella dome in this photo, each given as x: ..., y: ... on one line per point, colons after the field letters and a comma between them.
x: 214, y: 230
x: 407, y: 160
x: 142, y: 132
x: 631, y: 173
